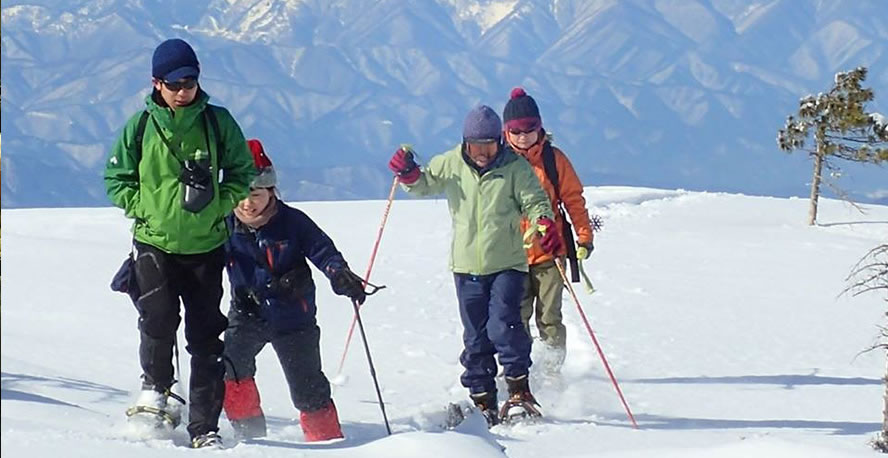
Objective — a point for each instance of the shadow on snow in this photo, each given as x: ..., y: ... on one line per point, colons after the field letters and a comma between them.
x: 659, y: 422
x: 788, y: 381
x: 356, y: 434
x: 15, y: 387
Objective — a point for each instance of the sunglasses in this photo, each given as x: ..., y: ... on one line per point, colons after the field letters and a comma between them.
x: 176, y: 86
x: 521, y: 132
x: 480, y: 141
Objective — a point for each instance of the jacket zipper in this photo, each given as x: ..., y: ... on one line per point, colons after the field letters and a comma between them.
x: 478, y: 222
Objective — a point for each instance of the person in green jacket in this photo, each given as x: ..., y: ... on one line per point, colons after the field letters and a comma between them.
x: 164, y: 172
x: 488, y: 188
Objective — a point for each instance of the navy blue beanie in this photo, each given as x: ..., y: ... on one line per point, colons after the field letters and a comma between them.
x: 173, y: 60
x: 482, y: 124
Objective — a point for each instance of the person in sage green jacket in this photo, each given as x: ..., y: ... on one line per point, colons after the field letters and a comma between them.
x: 164, y: 172
x: 489, y: 188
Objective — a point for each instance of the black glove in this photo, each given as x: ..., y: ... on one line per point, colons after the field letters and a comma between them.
x: 246, y: 302
x: 347, y: 283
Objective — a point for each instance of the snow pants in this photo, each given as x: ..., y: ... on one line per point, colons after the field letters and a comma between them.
x: 298, y: 351
x: 196, y: 279
x: 490, y: 310
x: 542, y: 297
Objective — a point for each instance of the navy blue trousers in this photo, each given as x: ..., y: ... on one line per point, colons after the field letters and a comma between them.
x: 490, y: 310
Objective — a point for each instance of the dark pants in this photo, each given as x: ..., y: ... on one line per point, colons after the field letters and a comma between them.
x: 298, y: 351
x: 490, y: 310
x: 197, y: 279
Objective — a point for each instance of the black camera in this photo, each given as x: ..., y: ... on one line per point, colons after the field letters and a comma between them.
x: 197, y: 184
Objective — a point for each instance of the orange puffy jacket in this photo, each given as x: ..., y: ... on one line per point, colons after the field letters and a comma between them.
x: 571, y: 194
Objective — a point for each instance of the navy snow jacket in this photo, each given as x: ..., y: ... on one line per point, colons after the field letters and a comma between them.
x: 268, y: 271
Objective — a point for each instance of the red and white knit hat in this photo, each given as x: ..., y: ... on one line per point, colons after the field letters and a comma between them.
x: 265, y: 177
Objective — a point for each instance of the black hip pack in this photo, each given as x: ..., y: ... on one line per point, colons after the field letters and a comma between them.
x: 124, y: 280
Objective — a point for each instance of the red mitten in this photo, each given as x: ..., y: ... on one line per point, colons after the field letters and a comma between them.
x: 550, y: 240
x: 404, y: 166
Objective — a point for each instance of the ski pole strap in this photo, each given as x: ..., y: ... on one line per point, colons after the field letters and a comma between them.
x: 586, y: 282
x: 373, y: 288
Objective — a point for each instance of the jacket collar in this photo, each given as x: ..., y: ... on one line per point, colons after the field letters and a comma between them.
x: 185, y: 116
x: 503, y: 157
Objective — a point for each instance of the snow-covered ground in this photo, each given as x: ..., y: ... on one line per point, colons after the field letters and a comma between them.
x: 720, y: 315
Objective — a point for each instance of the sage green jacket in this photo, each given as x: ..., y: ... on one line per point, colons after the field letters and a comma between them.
x: 148, y: 188
x: 486, y: 209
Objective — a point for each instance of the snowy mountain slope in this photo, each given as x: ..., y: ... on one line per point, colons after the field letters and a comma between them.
x: 648, y: 92
x: 718, y: 313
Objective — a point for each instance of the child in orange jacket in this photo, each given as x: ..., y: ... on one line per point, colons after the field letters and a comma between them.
x: 524, y: 133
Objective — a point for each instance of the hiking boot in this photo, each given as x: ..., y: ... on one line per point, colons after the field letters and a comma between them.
x: 148, y: 397
x: 486, y: 402
x: 519, y: 389
x: 208, y: 440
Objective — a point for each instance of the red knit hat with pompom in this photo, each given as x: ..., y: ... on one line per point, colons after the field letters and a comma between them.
x: 266, y: 177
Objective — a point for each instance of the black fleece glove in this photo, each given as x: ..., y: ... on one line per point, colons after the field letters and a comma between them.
x: 246, y: 302
x: 347, y: 283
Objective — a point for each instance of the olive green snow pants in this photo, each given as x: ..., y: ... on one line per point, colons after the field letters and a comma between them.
x: 542, y: 297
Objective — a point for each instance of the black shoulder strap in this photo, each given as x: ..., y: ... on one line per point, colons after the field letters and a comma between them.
x: 567, y: 235
x: 551, y: 169
x: 140, y: 134
x: 210, y: 112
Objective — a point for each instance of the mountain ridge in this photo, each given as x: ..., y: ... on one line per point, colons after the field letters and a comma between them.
x: 667, y: 93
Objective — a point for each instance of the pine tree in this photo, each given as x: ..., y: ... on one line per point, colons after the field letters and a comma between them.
x: 841, y: 129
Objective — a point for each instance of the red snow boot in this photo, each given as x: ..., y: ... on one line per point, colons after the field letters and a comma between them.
x: 242, y: 407
x: 322, y: 424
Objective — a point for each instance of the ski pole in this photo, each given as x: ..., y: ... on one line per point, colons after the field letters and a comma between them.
x: 610, y: 373
x: 372, y: 368
x: 355, y: 318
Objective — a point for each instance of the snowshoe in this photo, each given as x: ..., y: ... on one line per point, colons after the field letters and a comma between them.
x: 521, y: 404
x: 208, y: 440
x: 153, y: 409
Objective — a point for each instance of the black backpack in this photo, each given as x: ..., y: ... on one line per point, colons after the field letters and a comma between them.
x: 567, y: 234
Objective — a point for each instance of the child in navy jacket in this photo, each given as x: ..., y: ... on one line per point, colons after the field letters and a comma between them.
x: 273, y: 301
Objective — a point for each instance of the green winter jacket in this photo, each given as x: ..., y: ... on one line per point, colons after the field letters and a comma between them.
x: 149, y: 191
x: 485, y: 210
